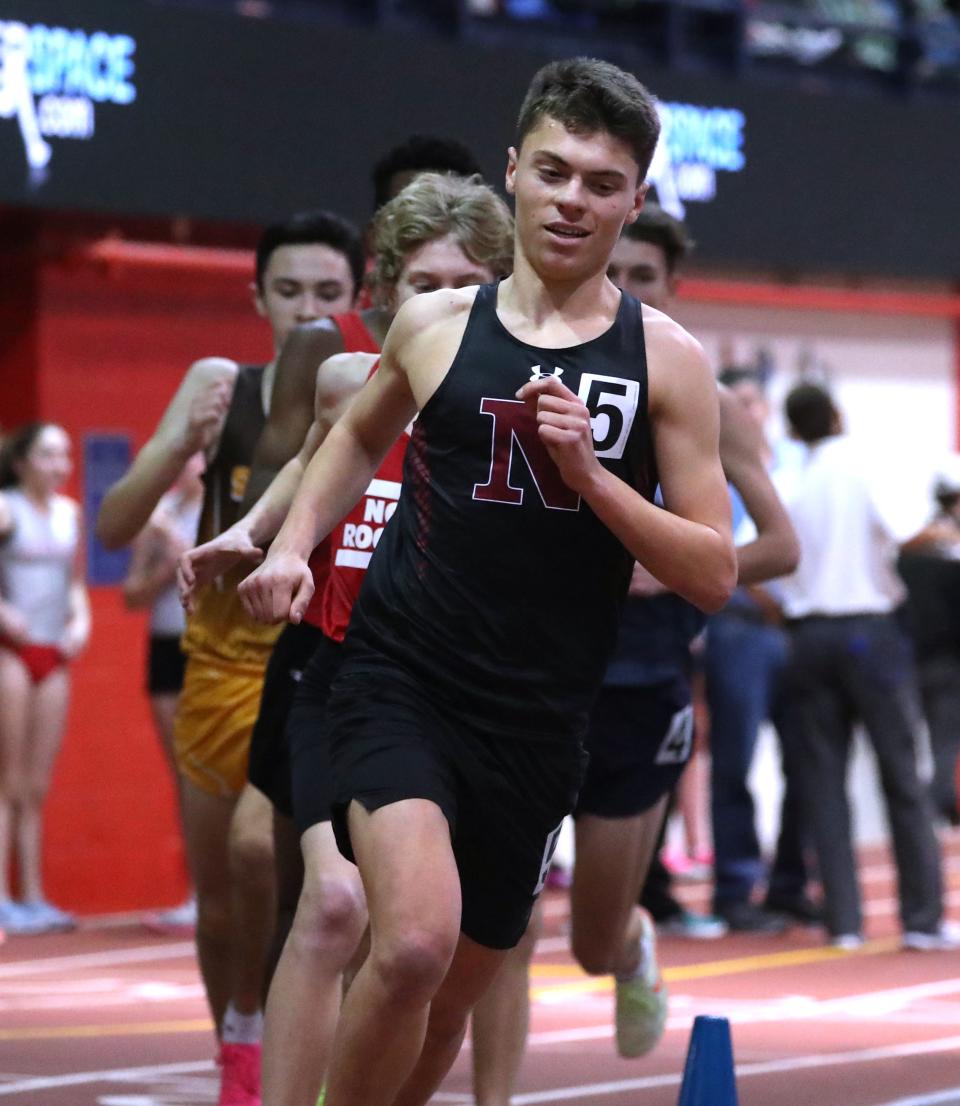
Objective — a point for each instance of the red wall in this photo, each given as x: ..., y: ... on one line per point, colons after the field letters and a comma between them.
x: 104, y: 348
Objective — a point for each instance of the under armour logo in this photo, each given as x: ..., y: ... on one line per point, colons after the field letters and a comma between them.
x: 536, y: 372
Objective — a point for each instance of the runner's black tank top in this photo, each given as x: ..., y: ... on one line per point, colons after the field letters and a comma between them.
x: 225, y: 477
x: 494, y: 585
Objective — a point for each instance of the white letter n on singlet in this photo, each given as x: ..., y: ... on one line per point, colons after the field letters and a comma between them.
x: 515, y: 430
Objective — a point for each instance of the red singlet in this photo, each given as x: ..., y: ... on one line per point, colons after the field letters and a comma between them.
x: 356, y: 339
x: 352, y: 543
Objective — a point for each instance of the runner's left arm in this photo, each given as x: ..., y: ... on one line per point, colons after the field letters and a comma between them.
x: 688, y: 546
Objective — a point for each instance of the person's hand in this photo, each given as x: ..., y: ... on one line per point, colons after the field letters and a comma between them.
x: 74, y: 639
x: 13, y: 626
x: 280, y: 589
x: 208, y: 409
x: 197, y: 567
x: 563, y: 423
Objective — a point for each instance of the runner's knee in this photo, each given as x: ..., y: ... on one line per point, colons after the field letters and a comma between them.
x: 331, y: 917
x: 411, y: 965
x: 251, y: 854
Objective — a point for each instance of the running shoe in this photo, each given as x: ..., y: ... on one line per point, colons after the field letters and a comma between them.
x: 641, y: 1002
x: 239, y: 1075
x: 181, y: 920
x: 945, y: 939
x: 689, y: 868
x: 693, y: 926
x: 47, y: 918
x: 847, y: 941
x: 16, y: 920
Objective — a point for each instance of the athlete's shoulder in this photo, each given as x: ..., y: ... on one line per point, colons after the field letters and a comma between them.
x: 341, y: 375
x: 665, y: 335
x: 429, y: 309
x: 675, y: 359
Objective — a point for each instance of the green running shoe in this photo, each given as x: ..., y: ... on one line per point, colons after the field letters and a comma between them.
x: 641, y: 1008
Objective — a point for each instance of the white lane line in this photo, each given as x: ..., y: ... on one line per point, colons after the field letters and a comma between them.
x: 106, y: 1075
x: 863, y: 1007
x: 949, y: 1097
x: 744, y: 1071
x: 560, y: 1094
x: 104, y: 959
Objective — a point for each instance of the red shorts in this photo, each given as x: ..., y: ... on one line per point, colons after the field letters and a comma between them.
x: 39, y: 660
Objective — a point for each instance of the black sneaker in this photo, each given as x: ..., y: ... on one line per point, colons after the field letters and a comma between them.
x: 799, y: 908
x: 747, y: 917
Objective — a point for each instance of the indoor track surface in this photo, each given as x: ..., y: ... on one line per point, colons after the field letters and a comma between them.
x: 110, y: 1015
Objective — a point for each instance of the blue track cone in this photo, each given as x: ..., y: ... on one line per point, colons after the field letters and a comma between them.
x: 708, y: 1078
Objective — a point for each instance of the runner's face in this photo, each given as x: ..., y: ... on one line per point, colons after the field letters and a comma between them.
x: 574, y: 193
x: 440, y: 263
x: 303, y: 283
x: 640, y: 268
x: 47, y: 465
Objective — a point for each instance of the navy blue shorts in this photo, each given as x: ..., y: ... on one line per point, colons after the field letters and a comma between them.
x: 503, y: 797
x: 639, y: 740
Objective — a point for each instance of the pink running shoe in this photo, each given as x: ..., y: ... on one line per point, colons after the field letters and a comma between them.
x: 240, y: 1075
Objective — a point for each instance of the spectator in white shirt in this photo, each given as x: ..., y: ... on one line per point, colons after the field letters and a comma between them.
x: 850, y: 661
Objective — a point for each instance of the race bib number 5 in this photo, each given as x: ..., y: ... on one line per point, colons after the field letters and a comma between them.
x: 612, y: 403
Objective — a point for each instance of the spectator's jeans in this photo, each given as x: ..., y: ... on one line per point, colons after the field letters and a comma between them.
x: 842, y: 670
x: 744, y: 662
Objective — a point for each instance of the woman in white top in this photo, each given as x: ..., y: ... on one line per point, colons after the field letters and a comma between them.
x: 151, y: 582
x: 44, y: 623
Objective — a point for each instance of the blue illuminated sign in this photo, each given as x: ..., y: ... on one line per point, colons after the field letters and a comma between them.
x: 51, y: 78
x: 695, y: 144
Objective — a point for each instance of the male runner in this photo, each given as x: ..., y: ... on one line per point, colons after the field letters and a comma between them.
x: 306, y: 268
x: 441, y: 232
x: 456, y: 717
x: 640, y: 733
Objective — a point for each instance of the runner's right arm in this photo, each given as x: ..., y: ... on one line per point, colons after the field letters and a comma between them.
x: 337, y: 382
x: 335, y: 479
x: 193, y: 421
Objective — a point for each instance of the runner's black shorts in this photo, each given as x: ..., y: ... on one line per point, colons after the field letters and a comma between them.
x: 639, y: 740
x: 165, y: 664
x: 503, y: 796
x: 307, y: 737
x: 269, y: 766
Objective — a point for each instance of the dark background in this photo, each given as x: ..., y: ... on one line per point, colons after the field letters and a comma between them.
x: 242, y: 120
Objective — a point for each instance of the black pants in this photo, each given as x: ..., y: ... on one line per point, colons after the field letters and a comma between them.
x: 939, y: 677
x: 843, y: 670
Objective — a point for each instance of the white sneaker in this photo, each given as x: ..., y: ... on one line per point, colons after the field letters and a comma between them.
x: 946, y: 938
x: 641, y: 1003
x: 847, y: 941
x: 177, y: 920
